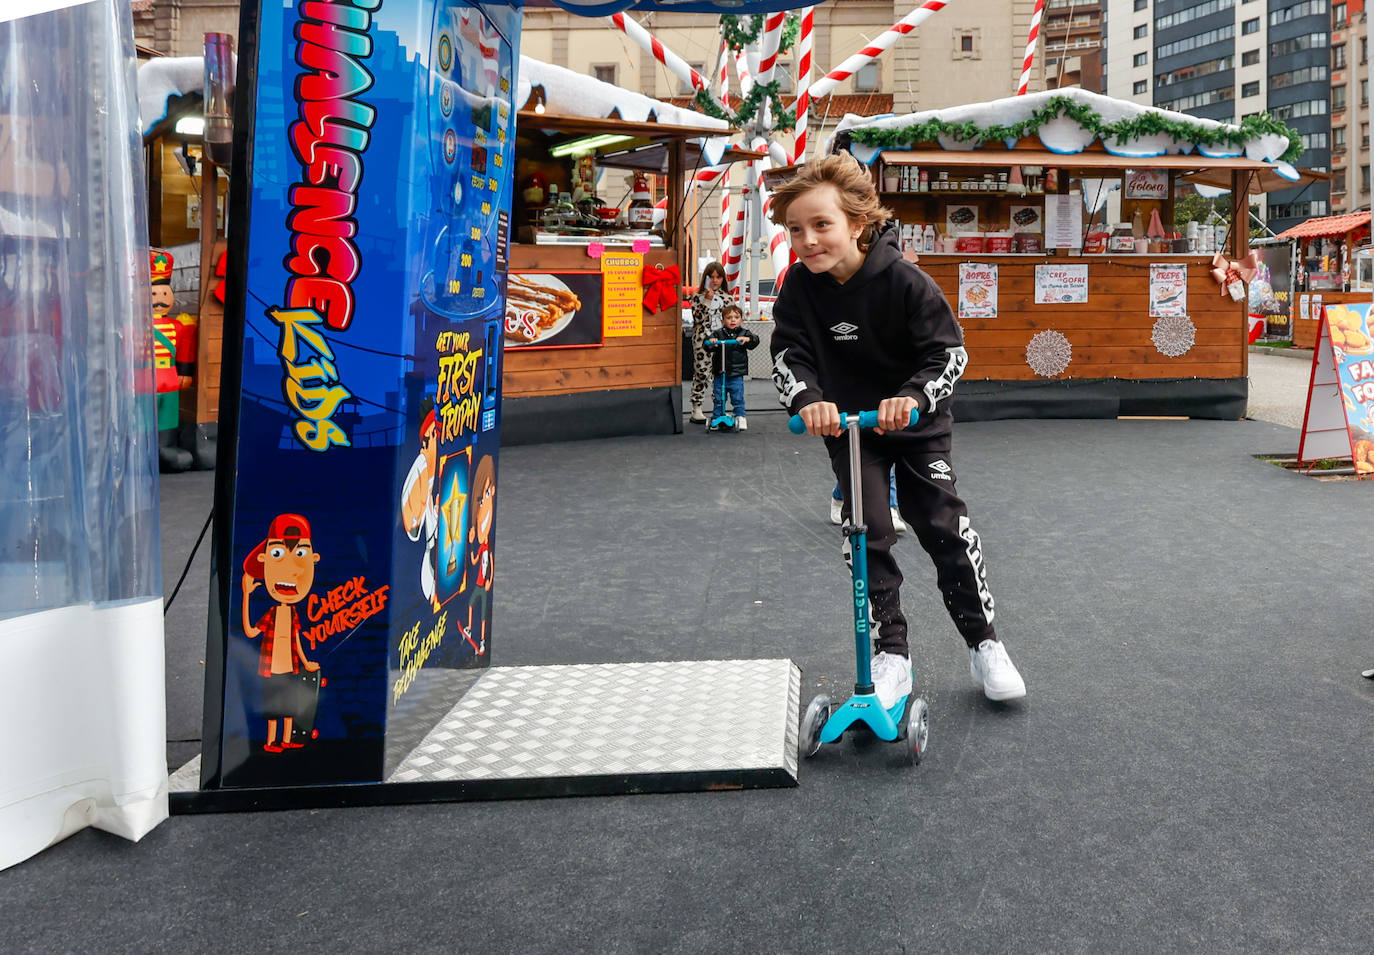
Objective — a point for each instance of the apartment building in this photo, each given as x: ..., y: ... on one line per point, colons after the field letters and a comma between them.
x: 1228, y: 59
x: 1349, y: 185
x: 1071, y: 40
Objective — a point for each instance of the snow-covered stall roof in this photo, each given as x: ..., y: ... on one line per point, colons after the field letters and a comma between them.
x: 163, y: 81
x: 1068, y: 121
x: 568, y: 93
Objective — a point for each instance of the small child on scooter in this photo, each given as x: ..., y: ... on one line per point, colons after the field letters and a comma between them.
x: 730, y: 365
x: 861, y: 328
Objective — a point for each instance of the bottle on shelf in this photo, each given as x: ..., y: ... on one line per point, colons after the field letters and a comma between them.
x: 640, y: 214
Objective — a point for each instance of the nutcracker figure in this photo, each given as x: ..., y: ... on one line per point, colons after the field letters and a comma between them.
x: 174, y: 360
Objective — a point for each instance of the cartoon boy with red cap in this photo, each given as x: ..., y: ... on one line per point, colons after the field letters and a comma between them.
x: 285, y: 562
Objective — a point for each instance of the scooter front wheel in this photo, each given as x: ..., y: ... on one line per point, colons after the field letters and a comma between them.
x: 917, y: 729
x: 812, y: 723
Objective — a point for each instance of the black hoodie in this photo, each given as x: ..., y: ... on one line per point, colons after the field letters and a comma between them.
x: 887, y: 332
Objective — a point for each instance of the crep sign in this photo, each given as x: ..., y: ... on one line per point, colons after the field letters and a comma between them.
x: 328, y: 136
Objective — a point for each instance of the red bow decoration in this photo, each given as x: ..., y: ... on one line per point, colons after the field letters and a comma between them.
x: 660, y: 287
x: 220, y: 265
x: 1232, y: 275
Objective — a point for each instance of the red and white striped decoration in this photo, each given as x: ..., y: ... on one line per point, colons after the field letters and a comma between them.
x: 746, y: 79
x: 734, y: 250
x: 723, y: 81
x: 650, y: 44
x: 779, y: 249
x: 803, y: 104
x: 884, y: 41
x: 768, y: 45
x: 1024, y: 85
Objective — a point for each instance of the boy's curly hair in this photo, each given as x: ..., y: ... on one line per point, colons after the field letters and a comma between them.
x: 857, y: 195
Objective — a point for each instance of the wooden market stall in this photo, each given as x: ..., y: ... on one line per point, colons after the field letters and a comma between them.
x: 1325, y: 252
x: 613, y: 366
x: 1065, y: 313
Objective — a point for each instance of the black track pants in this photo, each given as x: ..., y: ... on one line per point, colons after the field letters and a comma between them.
x: 929, y: 504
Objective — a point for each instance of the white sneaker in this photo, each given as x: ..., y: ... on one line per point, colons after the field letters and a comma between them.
x: 891, y: 678
x: 835, y: 515
x: 993, y: 670
x: 741, y: 424
x: 898, y: 524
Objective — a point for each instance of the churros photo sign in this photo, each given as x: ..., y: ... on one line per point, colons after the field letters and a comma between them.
x: 554, y: 309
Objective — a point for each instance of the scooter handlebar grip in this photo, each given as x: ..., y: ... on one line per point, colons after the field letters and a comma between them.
x: 867, y: 419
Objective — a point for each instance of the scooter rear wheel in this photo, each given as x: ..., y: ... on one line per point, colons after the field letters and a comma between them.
x: 917, y: 729
x: 812, y: 723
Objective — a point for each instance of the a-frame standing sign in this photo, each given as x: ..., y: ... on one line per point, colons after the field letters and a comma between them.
x: 1339, y: 419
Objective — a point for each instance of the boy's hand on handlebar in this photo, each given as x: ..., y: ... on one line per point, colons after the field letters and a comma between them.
x: 822, y: 418
x: 894, y: 414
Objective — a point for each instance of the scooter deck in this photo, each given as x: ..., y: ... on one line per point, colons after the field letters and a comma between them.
x: 865, y: 708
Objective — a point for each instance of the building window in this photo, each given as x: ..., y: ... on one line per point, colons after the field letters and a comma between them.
x: 1141, y: 31
x: 1143, y: 86
x: 1141, y: 59
x: 1338, y: 137
x: 1338, y: 57
x: 1249, y: 26
x: 1364, y: 179
x: 1250, y: 89
x: 868, y: 78
x: 1141, y: 4
x: 1337, y: 98
x: 1364, y: 92
x: 1338, y: 13
x: 1249, y: 58
x: 784, y: 76
x: 605, y: 74
x: 1364, y: 135
x: 1364, y: 50
x: 967, y: 43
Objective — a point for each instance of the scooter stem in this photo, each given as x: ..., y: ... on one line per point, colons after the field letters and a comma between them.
x: 858, y: 547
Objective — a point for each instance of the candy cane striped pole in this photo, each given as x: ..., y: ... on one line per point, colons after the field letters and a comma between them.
x: 768, y: 45
x: 746, y: 79
x: 723, y: 79
x: 1030, y: 48
x: 778, y: 247
x: 879, y: 46
x: 734, y: 250
x: 803, y: 104
x: 651, y: 45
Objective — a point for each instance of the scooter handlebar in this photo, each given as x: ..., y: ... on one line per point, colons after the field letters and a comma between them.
x: 866, y: 419
x: 718, y: 342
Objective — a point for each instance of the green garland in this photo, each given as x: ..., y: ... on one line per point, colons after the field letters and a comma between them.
x: 783, y: 118
x: 1146, y: 124
x: 738, y: 36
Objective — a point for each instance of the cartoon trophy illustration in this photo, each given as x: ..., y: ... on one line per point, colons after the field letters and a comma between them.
x: 453, y: 524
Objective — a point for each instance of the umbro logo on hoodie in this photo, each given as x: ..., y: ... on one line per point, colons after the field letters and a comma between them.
x: 844, y: 332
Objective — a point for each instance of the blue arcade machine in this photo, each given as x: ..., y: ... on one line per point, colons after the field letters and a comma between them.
x: 352, y: 569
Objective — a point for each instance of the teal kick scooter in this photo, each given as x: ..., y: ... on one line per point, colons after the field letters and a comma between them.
x: 720, y: 420
x: 820, y: 725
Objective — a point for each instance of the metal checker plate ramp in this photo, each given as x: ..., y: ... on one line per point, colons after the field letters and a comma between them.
x: 615, y: 719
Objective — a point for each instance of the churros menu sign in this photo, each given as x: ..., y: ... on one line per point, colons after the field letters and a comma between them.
x: 623, y: 311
